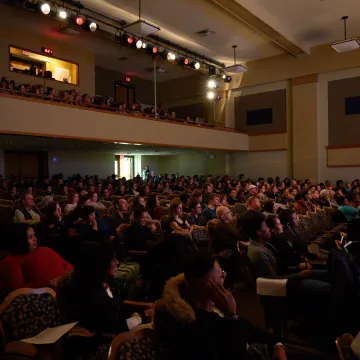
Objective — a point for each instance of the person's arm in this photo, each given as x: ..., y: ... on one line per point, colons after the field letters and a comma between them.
x: 20, y: 218
x: 174, y: 226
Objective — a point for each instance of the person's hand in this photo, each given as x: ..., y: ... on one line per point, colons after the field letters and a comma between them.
x: 305, y: 274
x: 152, y: 227
x: 308, y: 266
x: 54, y: 282
x: 303, y: 266
x: 222, y: 298
x: 279, y: 353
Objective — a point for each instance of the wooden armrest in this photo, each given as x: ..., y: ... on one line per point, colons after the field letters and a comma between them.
x: 21, y: 348
x: 142, y: 304
x: 79, y: 331
x: 137, y: 253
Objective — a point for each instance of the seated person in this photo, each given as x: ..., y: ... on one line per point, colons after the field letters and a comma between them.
x: 289, y: 259
x: 106, y: 195
x: 133, y: 190
x: 120, y: 214
x: 94, y: 201
x: 195, y: 218
x: 349, y: 211
x: 30, y: 266
x: 210, y: 212
x: 232, y: 197
x: 73, y: 202
x: 153, y: 207
x: 92, y: 297
x: 89, y: 227
x: 138, y: 204
x: 185, y: 199
x: 226, y: 234
x: 301, y: 207
x: 198, y: 196
x: 176, y: 224
x: 28, y: 212
x: 140, y: 235
x: 264, y: 263
x: 12, y: 194
x: 253, y: 204
x: 200, y: 319
x: 269, y: 208
x: 121, y: 190
x: 53, y: 221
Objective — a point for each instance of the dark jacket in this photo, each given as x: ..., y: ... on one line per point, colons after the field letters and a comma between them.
x: 193, y: 220
x: 209, y: 214
x: 226, y: 236
x: 139, y: 237
x: 186, y: 332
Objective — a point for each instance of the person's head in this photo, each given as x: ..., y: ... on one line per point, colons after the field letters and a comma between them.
x: 29, y: 190
x: 343, y: 201
x: 48, y: 189
x: 219, y: 185
x: 233, y: 193
x: 74, y: 199
x: 294, y: 192
x: 106, y: 193
x: 197, y: 195
x: 24, y: 240
x: 13, y: 190
x: 315, y: 195
x: 222, y: 200
x: 195, y: 207
x: 122, y: 188
x: 134, y: 186
x: 308, y: 195
x: 255, y: 227
x: 201, y: 267
x: 98, y: 264
x: 274, y: 224
x: 94, y: 197
x: 88, y: 213
x: 54, y: 209
x: 208, y: 188
x: 28, y: 201
x: 99, y: 187
x: 146, y: 189
x: 176, y: 208
x: 289, y: 219
x: 141, y: 216
x: 213, y: 200
x: 224, y: 214
x: 269, y: 206
x: 121, y: 205
x: 253, y: 203
x: 152, y: 203
x: 185, y: 199
x: 262, y: 189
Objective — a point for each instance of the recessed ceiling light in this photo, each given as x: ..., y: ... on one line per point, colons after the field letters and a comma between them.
x: 138, y: 144
x: 124, y: 143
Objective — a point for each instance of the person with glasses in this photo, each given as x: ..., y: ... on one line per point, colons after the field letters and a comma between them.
x: 200, y: 319
x: 195, y: 218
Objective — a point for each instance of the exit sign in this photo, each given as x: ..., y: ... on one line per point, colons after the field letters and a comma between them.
x: 46, y: 51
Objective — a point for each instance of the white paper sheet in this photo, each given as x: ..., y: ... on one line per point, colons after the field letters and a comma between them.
x: 271, y: 287
x: 355, y: 346
x: 50, y: 335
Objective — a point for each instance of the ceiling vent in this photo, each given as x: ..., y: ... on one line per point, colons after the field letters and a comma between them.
x: 205, y: 32
x: 70, y: 30
x: 158, y: 69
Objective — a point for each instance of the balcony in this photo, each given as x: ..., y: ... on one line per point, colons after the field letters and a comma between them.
x: 36, y: 116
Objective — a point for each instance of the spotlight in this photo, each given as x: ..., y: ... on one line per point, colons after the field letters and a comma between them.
x: 130, y: 40
x: 171, y: 56
x: 197, y: 65
x: 139, y: 44
x: 184, y: 61
x: 210, y: 95
x: 63, y: 14
x: 224, y: 76
x: 154, y: 50
x: 144, y: 45
x: 79, y: 20
x: 228, y: 79
x: 93, y: 26
x: 45, y: 9
x: 211, y: 84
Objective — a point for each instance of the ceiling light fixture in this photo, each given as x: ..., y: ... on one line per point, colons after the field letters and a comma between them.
x: 347, y: 44
x: 130, y: 40
x: 45, y: 9
x: 93, y: 26
x: 79, y: 20
x: 211, y: 84
x: 62, y: 14
x: 139, y: 44
x: 236, y: 68
x: 210, y: 95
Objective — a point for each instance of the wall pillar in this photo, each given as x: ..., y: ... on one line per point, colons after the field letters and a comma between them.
x: 305, y: 109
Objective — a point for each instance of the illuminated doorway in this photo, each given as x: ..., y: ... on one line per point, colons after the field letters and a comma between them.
x: 124, y: 166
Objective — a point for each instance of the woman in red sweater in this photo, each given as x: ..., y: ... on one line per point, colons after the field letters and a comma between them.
x: 30, y: 266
